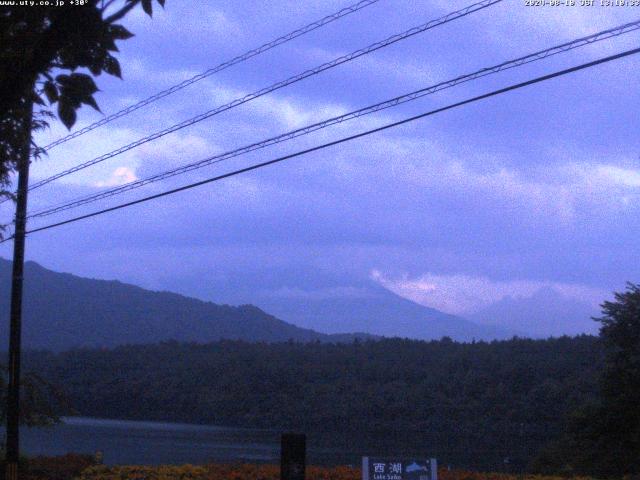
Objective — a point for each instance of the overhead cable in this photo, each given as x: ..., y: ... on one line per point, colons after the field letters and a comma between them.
x: 218, y: 68
x: 603, y: 35
x: 341, y: 140
x: 276, y: 86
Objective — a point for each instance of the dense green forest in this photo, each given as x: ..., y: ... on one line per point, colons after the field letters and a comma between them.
x: 482, y: 405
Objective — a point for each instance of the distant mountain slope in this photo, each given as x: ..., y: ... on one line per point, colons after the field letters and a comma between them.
x: 545, y: 313
x: 63, y: 311
x: 374, y: 309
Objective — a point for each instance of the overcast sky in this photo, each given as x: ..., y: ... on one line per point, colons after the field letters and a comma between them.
x: 534, y: 188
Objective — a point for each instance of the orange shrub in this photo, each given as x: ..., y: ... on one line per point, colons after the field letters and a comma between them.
x: 269, y: 472
x: 211, y: 472
x: 444, y: 474
x: 182, y: 472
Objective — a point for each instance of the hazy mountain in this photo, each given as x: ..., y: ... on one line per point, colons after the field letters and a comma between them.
x: 546, y: 313
x: 372, y: 308
x: 62, y: 311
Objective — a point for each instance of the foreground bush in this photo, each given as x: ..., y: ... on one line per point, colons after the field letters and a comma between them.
x: 266, y: 472
x: 465, y: 475
x: 82, y: 467
x: 65, y: 467
x: 144, y: 473
x: 211, y: 472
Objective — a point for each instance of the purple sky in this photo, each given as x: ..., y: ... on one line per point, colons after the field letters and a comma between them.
x: 536, y: 188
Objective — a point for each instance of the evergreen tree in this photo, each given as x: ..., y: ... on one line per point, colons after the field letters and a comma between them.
x: 604, y: 435
x: 620, y: 408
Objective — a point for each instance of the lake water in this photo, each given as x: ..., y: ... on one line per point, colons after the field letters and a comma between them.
x: 153, y: 443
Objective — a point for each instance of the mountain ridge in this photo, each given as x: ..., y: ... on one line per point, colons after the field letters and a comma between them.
x: 544, y: 313
x: 57, y: 305
x: 63, y: 311
x: 379, y: 311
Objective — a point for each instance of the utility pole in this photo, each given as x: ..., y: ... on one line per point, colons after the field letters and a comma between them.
x: 13, y: 394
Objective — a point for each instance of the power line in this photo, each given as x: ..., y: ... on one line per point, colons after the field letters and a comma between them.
x: 603, y: 35
x: 276, y: 86
x: 344, y: 139
x: 223, y: 66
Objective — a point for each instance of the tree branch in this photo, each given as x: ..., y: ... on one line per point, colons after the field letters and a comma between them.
x: 122, y: 12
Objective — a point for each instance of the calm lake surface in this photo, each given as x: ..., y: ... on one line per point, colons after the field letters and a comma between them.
x: 153, y: 443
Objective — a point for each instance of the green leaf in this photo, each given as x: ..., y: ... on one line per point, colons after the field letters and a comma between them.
x: 112, y: 66
x: 147, y: 6
x: 118, y: 32
x: 109, y: 44
x: 67, y: 113
x: 95, y: 68
x: 51, y: 91
x: 83, y: 84
x: 37, y: 99
x: 92, y: 103
x: 63, y: 79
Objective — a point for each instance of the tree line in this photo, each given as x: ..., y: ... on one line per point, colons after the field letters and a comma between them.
x: 480, y: 405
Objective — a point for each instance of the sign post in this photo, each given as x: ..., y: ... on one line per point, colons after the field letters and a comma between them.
x: 374, y: 468
x: 293, y: 456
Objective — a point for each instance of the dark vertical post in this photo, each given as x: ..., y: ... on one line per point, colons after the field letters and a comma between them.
x: 13, y: 393
x: 293, y: 456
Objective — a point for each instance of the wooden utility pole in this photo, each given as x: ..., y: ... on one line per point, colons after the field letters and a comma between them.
x: 13, y: 393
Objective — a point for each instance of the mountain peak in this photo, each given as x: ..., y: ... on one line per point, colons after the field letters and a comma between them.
x: 547, y: 312
x: 375, y: 310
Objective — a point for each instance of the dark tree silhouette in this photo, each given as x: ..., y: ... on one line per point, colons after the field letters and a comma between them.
x: 41, y: 401
x: 603, y: 437
x: 470, y: 405
x: 620, y: 410
x: 49, y: 55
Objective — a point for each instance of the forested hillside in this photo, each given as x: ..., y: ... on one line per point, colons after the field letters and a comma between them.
x: 482, y: 405
x: 63, y: 311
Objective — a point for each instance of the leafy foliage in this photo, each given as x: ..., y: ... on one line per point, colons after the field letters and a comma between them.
x: 41, y: 50
x: 40, y: 400
x: 267, y: 472
x: 82, y: 467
